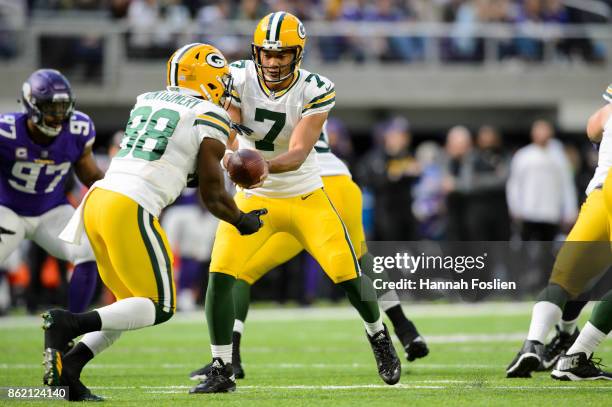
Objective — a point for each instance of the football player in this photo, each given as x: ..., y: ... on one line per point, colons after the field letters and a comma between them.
x: 584, y: 256
x: 170, y: 134
x: 578, y: 363
x: 345, y: 196
x: 38, y: 148
x: 283, y: 109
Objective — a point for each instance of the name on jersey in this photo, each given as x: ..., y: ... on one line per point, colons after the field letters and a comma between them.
x: 173, y: 97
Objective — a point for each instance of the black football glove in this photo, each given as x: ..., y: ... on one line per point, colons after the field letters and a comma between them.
x: 240, y: 129
x: 193, y: 180
x: 249, y: 223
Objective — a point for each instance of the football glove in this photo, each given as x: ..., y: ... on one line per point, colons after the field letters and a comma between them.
x: 193, y: 180
x: 240, y: 129
x: 250, y: 222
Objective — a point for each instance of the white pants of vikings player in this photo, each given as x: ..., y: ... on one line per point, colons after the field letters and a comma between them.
x: 42, y: 230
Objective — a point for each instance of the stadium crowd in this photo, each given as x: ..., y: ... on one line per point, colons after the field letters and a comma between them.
x: 156, y: 26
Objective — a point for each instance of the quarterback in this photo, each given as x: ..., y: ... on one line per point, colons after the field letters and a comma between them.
x: 584, y: 256
x: 345, y: 196
x: 38, y: 148
x: 170, y: 135
x: 281, y: 110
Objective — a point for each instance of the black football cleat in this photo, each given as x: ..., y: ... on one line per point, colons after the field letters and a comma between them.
x: 202, y: 372
x: 577, y: 367
x: 59, y: 329
x: 557, y: 348
x: 415, y: 347
x: 387, y: 362
x: 58, y: 375
x: 220, y: 379
x: 526, y: 361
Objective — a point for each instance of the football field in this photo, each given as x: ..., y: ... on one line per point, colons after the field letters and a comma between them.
x: 316, y: 356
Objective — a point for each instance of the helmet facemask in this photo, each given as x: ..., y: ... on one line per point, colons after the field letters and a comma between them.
x: 261, y: 69
x: 48, y: 115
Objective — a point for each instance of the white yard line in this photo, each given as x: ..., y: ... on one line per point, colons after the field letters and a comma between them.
x: 282, y: 314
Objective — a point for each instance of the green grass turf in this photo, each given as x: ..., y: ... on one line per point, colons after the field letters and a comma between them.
x: 311, y: 357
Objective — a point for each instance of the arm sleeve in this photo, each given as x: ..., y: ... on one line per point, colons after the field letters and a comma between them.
x: 238, y: 72
x: 319, y: 95
x: 212, y: 124
x: 83, y: 127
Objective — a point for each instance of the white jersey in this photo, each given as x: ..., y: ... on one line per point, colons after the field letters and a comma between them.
x: 272, y: 116
x: 604, y: 162
x: 160, y: 147
x: 330, y: 164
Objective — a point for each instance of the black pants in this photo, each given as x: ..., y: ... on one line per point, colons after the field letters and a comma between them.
x: 539, y: 231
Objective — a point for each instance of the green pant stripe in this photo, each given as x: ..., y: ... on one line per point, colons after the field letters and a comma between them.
x: 346, y: 237
x: 152, y: 256
x: 166, y: 259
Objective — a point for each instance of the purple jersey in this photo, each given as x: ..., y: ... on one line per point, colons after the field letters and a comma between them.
x: 32, y: 176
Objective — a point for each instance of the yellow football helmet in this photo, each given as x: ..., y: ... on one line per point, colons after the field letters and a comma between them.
x: 278, y: 32
x: 201, y: 70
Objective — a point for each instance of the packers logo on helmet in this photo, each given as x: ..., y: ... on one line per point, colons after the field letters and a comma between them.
x: 279, y: 32
x: 201, y: 70
x: 608, y: 94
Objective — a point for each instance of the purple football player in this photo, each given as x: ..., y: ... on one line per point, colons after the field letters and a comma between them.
x: 37, y: 150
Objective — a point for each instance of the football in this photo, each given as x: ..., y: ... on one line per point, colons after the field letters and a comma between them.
x: 245, y: 167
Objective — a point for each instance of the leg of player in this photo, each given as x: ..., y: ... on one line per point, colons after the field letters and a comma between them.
x: 134, y: 261
x: 242, y: 300
x: 546, y: 313
x: 566, y: 334
x: 413, y: 343
x: 584, y: 255
x: 328, y: 241
x: 226, y: 263
x: 63, y: 326
x: 82, y: 286
x: 357, y: 289
x: 85, y: 275
x: 578, y: 363
x: 277, y: 250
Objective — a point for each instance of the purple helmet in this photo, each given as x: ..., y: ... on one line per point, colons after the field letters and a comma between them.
x: 48, y: 100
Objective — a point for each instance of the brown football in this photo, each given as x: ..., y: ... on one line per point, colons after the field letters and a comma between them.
x: 245, y: 167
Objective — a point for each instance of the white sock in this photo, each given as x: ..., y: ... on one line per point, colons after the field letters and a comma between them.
x: 222, y: 351
x: 567, y: 326
x: 388, y: 300
x: 589, y: 338
x: 98, y: 341
x: 238, y: 326
x: 373, y: 327
x: 543, y: 317
x: 127, y: 314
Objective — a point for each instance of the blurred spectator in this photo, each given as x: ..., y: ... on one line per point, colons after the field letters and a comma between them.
x: 541, y: 191
x: 464, y: 45
x: 428, y: 206
x: 390, y: 173
x: 340, y: 140
x: 459, y: 168
x: 119, y: 8
x: 332, y: 48
x: 143, y: 16
x: 392, y: 48
x: 219, y: 13
x: 252, y: 10
x: 12, y: 18
x: 489, y: 219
